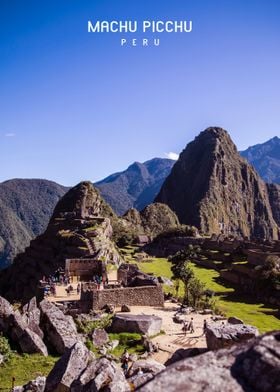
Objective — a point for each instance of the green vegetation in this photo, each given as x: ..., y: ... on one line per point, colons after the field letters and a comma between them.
x: 87, y: 327
x: 5, y: 348
x: 127, y: 341
x: 232, y: 304
x: 24, y: 368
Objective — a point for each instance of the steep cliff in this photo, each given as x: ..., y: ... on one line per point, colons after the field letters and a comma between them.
x: 80, y: 227
x: 214, y: 189
x: 274, y: 198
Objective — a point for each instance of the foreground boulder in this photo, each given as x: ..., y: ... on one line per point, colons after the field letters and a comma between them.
x: 60, y: 330
x: 249, y: 366
x: 37, y: 385
x: 31, y: 315
x: 99, y: 337
x: 6, y: 310
x: 101, y: 374
x: 68, y: 368
x: 143, y: 324
x: 14, y: 326
x: 222, y: 336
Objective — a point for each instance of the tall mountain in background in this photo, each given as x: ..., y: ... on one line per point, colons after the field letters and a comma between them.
x: 265, y: 158
x: 213, y: 188
x: 137, y: 186
x: 25, y: 209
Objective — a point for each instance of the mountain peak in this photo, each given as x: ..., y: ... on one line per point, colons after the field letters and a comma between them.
x: 206, y: 189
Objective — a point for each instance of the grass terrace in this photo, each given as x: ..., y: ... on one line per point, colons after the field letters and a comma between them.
x: 233, y: 304
x: 24, y: 368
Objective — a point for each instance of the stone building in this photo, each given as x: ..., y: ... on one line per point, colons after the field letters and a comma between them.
x: 84, y: 269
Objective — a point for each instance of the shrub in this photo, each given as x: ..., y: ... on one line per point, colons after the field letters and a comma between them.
x: 5, y: 348
x: 87, y: 327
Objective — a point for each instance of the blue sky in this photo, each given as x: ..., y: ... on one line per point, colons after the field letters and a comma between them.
x: 77, y: 106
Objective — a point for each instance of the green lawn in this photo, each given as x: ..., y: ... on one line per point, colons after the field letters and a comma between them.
x: 263, y: 317
x: 24, y: 368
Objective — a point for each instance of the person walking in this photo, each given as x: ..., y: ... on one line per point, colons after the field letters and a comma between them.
x: 191, y: 327
x: 204, y: 327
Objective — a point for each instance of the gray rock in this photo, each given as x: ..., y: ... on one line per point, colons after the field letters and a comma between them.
x: 166, y: 281
x: 6, y: 310
x: 140, y: 379
x: 147, y: 366
x: 101, y: 374
x: 112, y: 344
x: 234, y: 320
x: 13, y: 325
x: 99, y: 337
x: 28, y: 340
x: 37, y: 385
x: 251, y: 366
x: 68, y: 368
x: 144, y: 324
x: 31, y: 315
x: 222, y: 336
x: 148, y: 344
x: 125, y: 308
x: 60, y: 330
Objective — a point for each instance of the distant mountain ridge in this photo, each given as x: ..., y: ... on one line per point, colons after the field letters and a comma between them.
x: 26, y: 205
x: 135, y: 187
x: 265, y: 158
x: 25, y: 209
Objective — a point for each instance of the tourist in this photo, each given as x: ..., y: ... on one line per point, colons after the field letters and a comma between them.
x: 125, y: 358
x: 185, y: 327
x: 204, y: 327
x: 78, y: 288
x: 191, y: 327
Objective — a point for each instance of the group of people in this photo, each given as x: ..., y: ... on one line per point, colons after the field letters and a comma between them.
x: 100, y: 281
x: 189, y: 326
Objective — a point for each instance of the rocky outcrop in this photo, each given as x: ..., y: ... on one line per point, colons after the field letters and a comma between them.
x: 225, y: 335
x: 68, y: 368
x: 80, y: 227
x: 13, y: 325
x: 152, y: 220
x: 143, y: 324
x: 60, y: 330
x: 214, y: 189
x: 101, y: 375
x: 274, y: 198
x: 250, y: 366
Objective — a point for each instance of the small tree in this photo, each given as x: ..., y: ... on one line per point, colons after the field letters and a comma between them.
x: 196, y: 289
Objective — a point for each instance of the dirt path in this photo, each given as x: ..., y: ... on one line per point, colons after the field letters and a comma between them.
x: 174, y: 338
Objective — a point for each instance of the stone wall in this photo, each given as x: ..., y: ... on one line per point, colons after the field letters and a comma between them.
x: 131, y: 296
x: 258, y: 257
